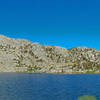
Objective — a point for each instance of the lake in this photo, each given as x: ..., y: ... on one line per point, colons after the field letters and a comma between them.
x: 20, y: 86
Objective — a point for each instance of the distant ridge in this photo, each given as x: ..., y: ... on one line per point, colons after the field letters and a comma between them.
x: 19, y: 55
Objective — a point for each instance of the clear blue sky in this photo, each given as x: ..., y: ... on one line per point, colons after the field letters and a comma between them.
x: 66, y: 23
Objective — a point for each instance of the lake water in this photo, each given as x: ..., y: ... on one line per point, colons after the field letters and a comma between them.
x: 19, y: 86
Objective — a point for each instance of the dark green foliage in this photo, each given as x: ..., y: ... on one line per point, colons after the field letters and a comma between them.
x: 33, y: 68
x: 30, y: 69
x: 31, y: 53
x: 50, y: 68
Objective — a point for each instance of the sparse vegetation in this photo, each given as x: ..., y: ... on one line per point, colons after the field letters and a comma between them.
x: 22, y: 55
x: 87, y: 97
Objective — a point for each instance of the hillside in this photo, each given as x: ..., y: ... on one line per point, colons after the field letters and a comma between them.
x: 19, y: 55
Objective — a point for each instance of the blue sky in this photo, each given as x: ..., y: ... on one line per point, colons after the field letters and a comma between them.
x: 66, y: 23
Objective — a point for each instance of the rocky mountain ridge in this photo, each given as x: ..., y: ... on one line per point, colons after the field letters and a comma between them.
x: 19, y: 55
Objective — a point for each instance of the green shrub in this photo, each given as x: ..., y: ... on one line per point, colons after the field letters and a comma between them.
x: 86, y: 97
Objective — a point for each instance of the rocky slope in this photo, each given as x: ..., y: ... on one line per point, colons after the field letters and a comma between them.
x: 19, y: 55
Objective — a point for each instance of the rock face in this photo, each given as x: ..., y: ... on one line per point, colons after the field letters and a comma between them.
x: 19, y: 55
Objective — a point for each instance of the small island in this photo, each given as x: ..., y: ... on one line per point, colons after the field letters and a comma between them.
x: 20, y: 55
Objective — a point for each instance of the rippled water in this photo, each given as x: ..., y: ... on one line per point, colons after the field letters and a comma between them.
x: 19, y: 86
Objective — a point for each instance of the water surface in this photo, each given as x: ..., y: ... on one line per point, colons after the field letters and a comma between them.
x: 20, y: 86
